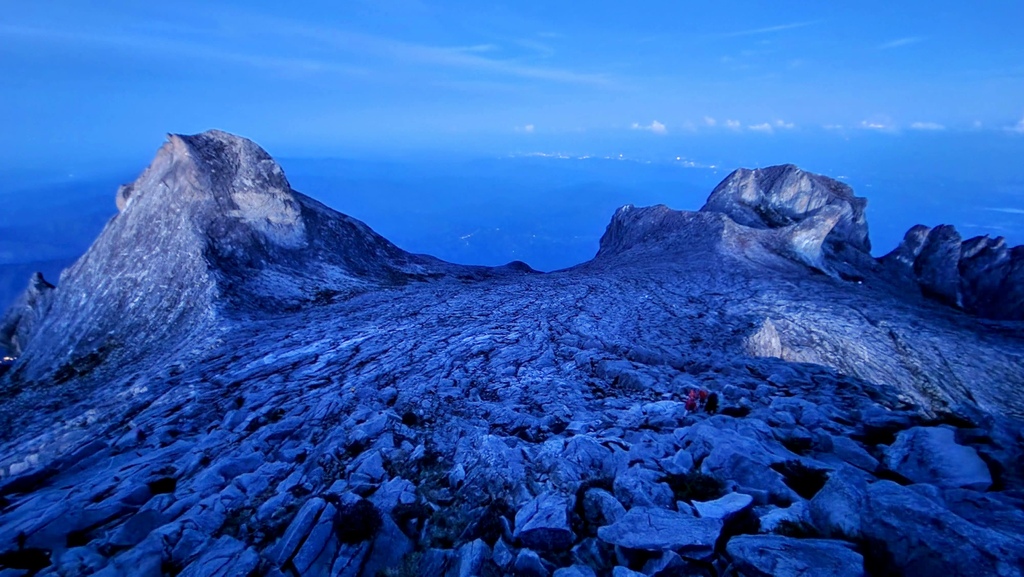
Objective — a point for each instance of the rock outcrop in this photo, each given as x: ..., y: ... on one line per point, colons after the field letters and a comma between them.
x: 21, y: 320
x: 982, y: 275
x: 822, y: 218
x: 238, y: 380
x: 210, y: 228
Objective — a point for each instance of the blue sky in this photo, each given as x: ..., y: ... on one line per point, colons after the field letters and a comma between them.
x: 328, y: 78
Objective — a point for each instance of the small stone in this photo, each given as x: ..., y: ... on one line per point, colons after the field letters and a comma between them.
x: 724, y: 508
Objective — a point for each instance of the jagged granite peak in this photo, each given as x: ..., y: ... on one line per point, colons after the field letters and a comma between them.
x: 427, y: 419
x: 780, y: 196
x: 982, y: 275
x: 211, y: 227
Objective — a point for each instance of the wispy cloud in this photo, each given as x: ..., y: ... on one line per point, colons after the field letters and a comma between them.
x: 927, y: 126
x: 655, y: 127
x: 900, y: 42
x: 784, y: 125
x: 733, y: 124
x: 1017, y: 128
x: 766, y: 30
x: 340, y: 45
x: 528, y: 129
x: 1006, y: 210
x: 879, y: 125
x: 197, y: 51
x: 710, y: 121
x: 763, y: 127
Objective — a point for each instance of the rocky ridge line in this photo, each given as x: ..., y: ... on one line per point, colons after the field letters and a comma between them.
x: 698, y: 399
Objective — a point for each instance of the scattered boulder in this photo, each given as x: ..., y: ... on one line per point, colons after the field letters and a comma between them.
x: 776, y: 556
x: 835, y: 511
x: 543, y: 523
x: 909, y: 534
x: 528, y: 564
x: 932, y: 455
x: 601, y: 508
x: 724, y: 508
x: 653, y: 529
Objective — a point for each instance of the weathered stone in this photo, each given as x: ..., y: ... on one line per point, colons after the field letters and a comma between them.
x: 471, y: 558
x: 299, y: 528
x: 226, y: 557
x: 652, y: 529
x: 724, y: 508
x: 638, y: 487
x: 835, y: 511
x: 910, y: 534
x: 931, y: 455
x: 775, y: 556
x: 528, y: 564
x: 851, y: 452
x: 601, y: 508
x: 575, y: 571
x: 543, y: 523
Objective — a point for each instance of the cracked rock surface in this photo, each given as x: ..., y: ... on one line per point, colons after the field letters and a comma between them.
x: 236, y: 380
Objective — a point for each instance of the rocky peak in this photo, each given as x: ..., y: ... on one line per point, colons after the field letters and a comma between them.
x: 780, y: 196
x: 759, y: 215
x: 981, y: 275
x: 210, y: 226
x: 659, y: 228
x: 600, y: 420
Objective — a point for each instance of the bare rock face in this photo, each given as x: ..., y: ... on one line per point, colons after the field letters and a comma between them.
x: 211, y: 227
x: 237, y: 379
x: 981, y: 275
x: 778, y: 197
x: 21, y: 319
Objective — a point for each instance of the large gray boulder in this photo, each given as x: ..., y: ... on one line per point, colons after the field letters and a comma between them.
x: 932, y: 455
x: 983, y: 275
x: 653, y: 529
x: 776, y: 556
x: 836, y: 509
x: 909, y: 534
x: 543, y: 523
x: 783, y: 196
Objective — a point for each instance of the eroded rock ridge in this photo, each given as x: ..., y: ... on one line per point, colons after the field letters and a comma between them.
x: 237, y: 380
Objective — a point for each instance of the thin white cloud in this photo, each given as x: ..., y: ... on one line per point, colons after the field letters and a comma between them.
x: 932, y: 126
x: 655, y: 127
x: 763, y: 127
x: 832, y: 126
x: 1018, y: 128
x: 784, y: 125
x: 900, y: 42
x: 733, y: 124
x: 710, y: 121
x: 341, y: 46
x: 194, y: 50
x: 1006, y: 210
x: 875, y: 125
x: 529, y: 128
x: 766, y: 30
